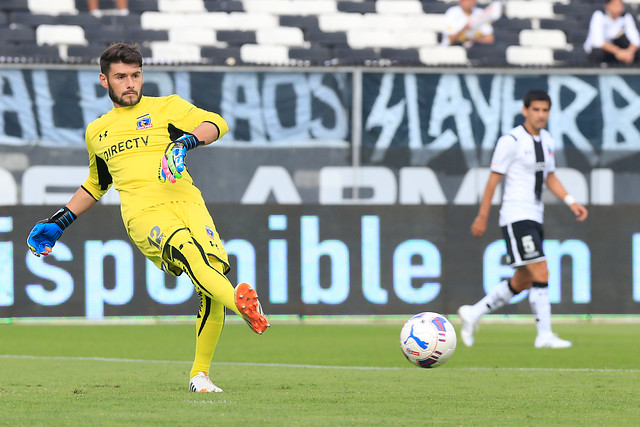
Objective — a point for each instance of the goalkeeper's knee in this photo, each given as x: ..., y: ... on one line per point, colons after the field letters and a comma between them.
x: 185, y: 253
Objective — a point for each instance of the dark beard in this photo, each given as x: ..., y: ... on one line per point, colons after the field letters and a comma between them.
x: 120, y: 100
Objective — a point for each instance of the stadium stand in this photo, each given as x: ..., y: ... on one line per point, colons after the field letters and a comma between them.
x: 538, y: 33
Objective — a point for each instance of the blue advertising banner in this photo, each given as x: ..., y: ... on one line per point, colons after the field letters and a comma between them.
x: 321, y: 261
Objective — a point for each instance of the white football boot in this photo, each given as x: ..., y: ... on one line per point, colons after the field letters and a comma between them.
x: 202, y: 384
x: 469, y: 324
x: 551, y: 340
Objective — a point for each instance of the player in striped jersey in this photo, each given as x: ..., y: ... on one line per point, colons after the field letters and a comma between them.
x: 524, y: 158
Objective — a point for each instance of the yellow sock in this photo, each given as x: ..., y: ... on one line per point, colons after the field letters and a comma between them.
x: 208, y: 328
x: 215, y: 290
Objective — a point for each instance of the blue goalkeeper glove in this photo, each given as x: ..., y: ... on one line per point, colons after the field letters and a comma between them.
x: 46, y: 233
x: 172, y: 163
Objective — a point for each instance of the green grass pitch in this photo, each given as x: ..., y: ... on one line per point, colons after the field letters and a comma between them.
x: 317, y: 375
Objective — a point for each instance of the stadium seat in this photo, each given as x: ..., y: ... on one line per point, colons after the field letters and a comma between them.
x: 49, y: 7
x: 84, y: 20
x: 521, y: 55
x: 568, y: 23
x: 15, y: 5
x: 576, y: 37
x: 348, y: 56
x: 315, y: 55
x: 104, y: 34
x: 333, y: 39
x: 340, y: 21
x: 88, y: 52
x: 21, y: 34
x: 314, y: 7
x: 376, y: 21
x: 32, y: 19
x: 223, y: 6
x: 181, y: 6
x: 390, y: 39
x: 571, y: 58
x: 140, y: 35
x: 221, y: 55
x: 400, y: 56
x: 357, y: 7
x: 253, y: 21
x: 237, y: 38
x: 139, y: 6
x: 398, y: 6
x: 506, y: 36
x: 31, y: 52
x: 528, y: 9
x: 427, y: 21
x: 162, y: 21
x: 60, y: 35
x: 302, y: 22
x: 268, y: 55
x: 193, y: 36
x: 555, y: 39
x: 284, y: 36
x: 488, y: 55
x: 440, y: 7
x: 174, y: 52
x: 443, y: 55
x: 581, y: 11
x: 276, y: 7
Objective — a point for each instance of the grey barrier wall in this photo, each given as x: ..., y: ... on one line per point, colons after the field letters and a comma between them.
x: 343, y: 191
x: 311, y: 260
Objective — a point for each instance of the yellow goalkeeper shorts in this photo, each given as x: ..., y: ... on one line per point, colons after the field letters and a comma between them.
x: 151, y: 228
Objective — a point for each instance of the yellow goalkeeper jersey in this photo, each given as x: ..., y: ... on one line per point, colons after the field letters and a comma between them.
x: 126, y: 146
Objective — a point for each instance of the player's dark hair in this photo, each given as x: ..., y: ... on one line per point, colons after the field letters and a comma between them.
x: 535, y: 95
x: 120, y: 52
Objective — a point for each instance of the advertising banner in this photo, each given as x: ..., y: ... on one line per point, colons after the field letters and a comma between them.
x: 422, y: 139
x: 308, y: 260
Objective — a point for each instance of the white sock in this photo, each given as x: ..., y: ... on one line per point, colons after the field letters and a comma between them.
x: 541, y: 308
x: 496, y: 298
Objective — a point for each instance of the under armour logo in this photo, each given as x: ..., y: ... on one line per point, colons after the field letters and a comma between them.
x: 103, y: 135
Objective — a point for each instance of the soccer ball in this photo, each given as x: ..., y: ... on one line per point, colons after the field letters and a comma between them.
x: 428, y: 340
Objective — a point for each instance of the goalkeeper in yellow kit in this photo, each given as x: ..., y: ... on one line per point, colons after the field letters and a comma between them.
x: 139, y: 148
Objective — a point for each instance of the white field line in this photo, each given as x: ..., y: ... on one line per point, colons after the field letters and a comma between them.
x: 288, y: 365
x: 323, y: 320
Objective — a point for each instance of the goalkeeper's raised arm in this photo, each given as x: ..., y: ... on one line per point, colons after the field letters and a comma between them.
x: 172, y: 161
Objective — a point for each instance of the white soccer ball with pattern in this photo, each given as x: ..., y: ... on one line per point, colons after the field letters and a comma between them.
x: 428, y: 340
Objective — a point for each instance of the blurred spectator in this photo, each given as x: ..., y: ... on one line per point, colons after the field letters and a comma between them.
x: 466, y: 24
x: 121, y: 5
x: 613, y: 36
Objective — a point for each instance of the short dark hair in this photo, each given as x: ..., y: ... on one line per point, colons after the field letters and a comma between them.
x: 535, y: 95
x: 120, y: 52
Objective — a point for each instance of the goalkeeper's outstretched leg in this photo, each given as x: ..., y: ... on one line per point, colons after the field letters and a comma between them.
x: 206, y: 273
x: 216, y: 292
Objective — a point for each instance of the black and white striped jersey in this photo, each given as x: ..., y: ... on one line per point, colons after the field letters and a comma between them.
x: 524, y: 160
